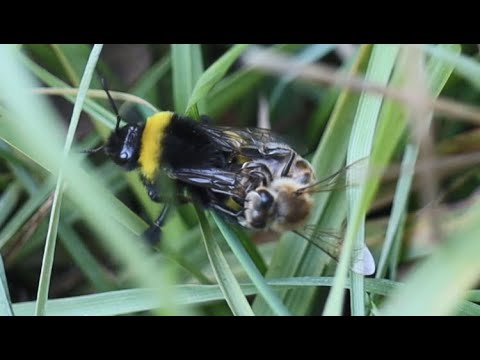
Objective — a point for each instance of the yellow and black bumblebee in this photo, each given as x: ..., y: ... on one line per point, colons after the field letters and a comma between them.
x: 248, y: 175
x: 206, y: 160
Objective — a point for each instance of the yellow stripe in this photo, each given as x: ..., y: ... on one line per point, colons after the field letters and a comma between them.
x: 151, y: 149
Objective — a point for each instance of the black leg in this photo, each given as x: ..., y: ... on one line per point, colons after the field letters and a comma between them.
x: 156, y: 197
x: 153, y: 234
x: 229, y: 212
x: 287, y: 167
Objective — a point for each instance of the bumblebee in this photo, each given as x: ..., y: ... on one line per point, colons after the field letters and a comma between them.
x: 250, y: 175
x: 206, y: 160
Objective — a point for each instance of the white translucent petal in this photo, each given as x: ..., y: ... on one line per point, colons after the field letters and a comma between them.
x: 363, y: 262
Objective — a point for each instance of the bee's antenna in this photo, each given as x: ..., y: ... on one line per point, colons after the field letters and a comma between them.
x: 112, y: 103
x: 92, y: 151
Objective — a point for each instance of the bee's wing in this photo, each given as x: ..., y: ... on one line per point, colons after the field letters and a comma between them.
x: 339, y: 180
x: 330, y: 242
x: 241, y: 140
x: 205, y: 177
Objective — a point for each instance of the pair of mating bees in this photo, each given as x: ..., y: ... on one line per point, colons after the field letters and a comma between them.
x: 250, y: 176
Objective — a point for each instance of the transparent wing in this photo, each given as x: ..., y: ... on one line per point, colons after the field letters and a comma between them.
x: 339, y: 180
x: 331, y: 242
x: 245, y: 141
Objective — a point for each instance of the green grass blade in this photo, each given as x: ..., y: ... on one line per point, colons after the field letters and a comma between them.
x: 8, y: 201
x: 25, y: 212
x: 399, y: 206
x: 308, y: 55
x: 214, y: 74
x: 294, y: 256
x: 187, y: 68
x: 267, y: 293
x: 84, y: 259
x: 5, y: 302
x: 446, y: 275
x: 226, y: 280
x: 238, y: 85
x: 151, y: 77
x: 379, y: 69
x: 122, y: 302
x: 49, y: 252
x: 109, y: 218
x: 67, y: 67
x: 467, y: 67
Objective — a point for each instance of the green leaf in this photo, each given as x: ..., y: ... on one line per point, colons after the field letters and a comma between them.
x: 109, y: 218
x: 134, y: 300
x: 8, y: 201
x: 437, y: 286
x: 293, y: 255
x: 379, y: 69
x: 214, y: 74
x: 267, y: 293
x: 5, y: 302
x: 226, y: 280
x: 187, y: 67
x: 49, y: 252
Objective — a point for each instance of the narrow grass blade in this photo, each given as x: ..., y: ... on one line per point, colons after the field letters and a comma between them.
x: 379, y: 69
x: 239, y: 84
x: 226, y: 280
x: 109, y: 218
x: 187, y: 67
x: 308, y: 55
x: 446, y: 275
x: 467, y: 67
x: 294, y: 256
x: 214, y: 74
x: 84, y: 259
x: 49, y: 252
x: 8, y: 201
x: 5, y: 302
x: 122, y: 302
x: 399, y: 206
x: 151, y: 77
x: 267, y: 293
x: 25, y: 212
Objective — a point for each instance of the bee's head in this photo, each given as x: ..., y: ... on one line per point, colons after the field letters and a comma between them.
x: 123, y: 146
x: 278, y: 206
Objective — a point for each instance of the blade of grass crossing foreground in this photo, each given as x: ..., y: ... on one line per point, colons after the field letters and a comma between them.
x: 109, y: 219
x: 239, y: 251
x: 365, y: 122
x: 399, y: 206
x: 226, y: 280
x: 187, y: 67
x: 214, y: 74
x: 129, y: 301
x: 49, y: 252
x: 5, y: 302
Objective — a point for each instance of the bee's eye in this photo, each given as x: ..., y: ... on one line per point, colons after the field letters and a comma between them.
x: 266, y: 199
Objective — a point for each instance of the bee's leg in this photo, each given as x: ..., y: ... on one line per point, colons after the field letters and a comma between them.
x: 287, y: 167
x: 156, y: 197
x: 153, y: 234
x: 287, y: 153
x: 227, y: 211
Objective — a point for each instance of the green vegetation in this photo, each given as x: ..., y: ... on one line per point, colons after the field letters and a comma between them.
x: 421, y: 227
